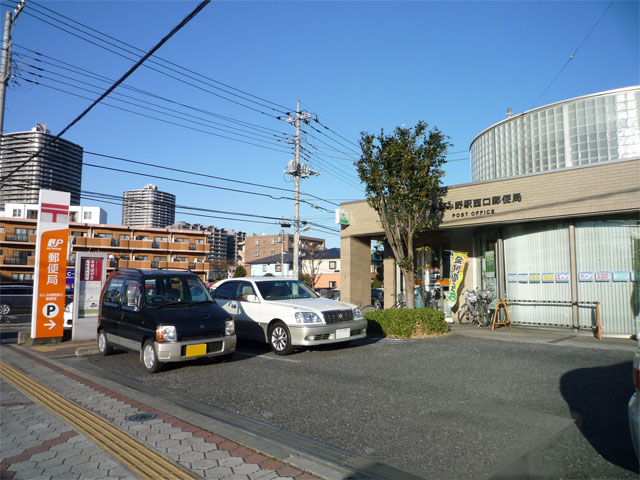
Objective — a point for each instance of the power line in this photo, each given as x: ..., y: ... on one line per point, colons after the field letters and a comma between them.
x: 159, y: 58
x: 186, y: 20
x: 156, y: 118
x: 81, y: 71
x: 252, y: 136
x: 572, y: 56
x: 156, y: 69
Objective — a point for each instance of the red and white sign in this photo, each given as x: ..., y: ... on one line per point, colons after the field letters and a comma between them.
x: 47, y: 317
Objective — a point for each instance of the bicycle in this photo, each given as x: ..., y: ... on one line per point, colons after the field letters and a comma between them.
x: 476, y: 308
x: 400, y: 303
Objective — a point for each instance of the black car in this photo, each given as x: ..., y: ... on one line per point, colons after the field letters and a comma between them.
x: 167, y: 316
x: 15, y: 299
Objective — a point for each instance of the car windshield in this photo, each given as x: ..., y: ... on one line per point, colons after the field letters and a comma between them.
x: 178, y: 289
x: 285, y: 290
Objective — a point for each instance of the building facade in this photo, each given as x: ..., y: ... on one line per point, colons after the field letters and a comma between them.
x: 550, y: 240
x: 57, y: 167
x: 77, y: 213
x: 148, y: 207
x: 258, y: 247
x: 125, y: 246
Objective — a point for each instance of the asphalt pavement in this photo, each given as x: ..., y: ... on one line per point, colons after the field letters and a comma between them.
x: 472, y: 404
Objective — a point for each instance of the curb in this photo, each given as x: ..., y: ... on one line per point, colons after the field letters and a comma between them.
x: 82, y: 351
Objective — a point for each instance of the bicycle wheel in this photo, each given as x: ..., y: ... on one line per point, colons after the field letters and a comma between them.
x: 464, y: 315
x: 484, y: 317
x: 368, y: 308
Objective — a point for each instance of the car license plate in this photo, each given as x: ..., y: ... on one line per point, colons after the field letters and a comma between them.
x: 196, y: 350
x: 343, y: 333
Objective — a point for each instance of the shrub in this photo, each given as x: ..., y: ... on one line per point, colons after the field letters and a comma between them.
x: 406, y: 323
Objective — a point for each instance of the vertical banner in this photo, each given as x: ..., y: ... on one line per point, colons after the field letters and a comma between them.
x: 47, y: 314
x: 458, y: 260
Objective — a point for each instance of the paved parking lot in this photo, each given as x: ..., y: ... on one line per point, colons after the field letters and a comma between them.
x: 448, y: 407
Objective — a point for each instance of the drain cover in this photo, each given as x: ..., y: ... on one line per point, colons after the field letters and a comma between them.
x: 141, y: 417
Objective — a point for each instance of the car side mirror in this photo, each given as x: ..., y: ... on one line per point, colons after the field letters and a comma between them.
x: 252, y: 299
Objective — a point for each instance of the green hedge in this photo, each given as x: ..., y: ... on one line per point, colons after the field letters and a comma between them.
x: 406, y: 323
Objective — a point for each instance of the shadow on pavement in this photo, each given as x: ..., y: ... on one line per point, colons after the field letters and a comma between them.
x: 598, y: 398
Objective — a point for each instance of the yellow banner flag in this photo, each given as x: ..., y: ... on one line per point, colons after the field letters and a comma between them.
x: 457, y: 274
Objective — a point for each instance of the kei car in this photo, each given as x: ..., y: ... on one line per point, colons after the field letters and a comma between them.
x: 165, y: 316
x: 285, y: 313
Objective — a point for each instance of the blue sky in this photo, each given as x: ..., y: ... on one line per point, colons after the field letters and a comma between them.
x: 358, y: 66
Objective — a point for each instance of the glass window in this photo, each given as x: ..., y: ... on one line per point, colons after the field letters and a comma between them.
x: 332, y: 265
x: 87, y: 215
x: 243, y: 290
x: 132, y: 296
x: 113, y: 293
x: 17, y: 212
x: 124, y: 236
x: 257, y: 242
x: 225, y: 291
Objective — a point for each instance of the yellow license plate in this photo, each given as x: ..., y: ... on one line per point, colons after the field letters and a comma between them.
x: 196, y: 350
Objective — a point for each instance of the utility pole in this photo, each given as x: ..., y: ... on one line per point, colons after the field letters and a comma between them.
x: 297, y: 170
x: 5, y: 68
x: 283, y: 225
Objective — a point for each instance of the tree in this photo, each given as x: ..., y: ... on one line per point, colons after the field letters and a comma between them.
x: 240, y: 272
x: 402, y: 174
x: 311, y: 261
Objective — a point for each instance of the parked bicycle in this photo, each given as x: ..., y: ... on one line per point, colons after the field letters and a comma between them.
x: 476, y: 307
x: 400, y: 303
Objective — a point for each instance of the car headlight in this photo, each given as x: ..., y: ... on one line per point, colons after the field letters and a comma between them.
x: 166, y: 333
x: 229, y: 327
x: 357, y: 314
x: 68, y: 308
x: 307, y: 317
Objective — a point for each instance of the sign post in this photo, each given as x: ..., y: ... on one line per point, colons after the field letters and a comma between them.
x: 91, y: 274
x: 47, y: 314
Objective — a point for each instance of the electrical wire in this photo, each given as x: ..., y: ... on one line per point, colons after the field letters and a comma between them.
x: 81, y: 71
x: 159, y: 58
x: 162, y: 72
x: 573, y: 55
x: 156, y: 118
x: 114, y: 97
x: 186, y: 20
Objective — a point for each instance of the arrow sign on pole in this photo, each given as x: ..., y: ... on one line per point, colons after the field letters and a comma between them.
x: 51, y: 324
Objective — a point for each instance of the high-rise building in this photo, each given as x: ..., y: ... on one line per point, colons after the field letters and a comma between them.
x: 57, y: 167
x: 148, y: 207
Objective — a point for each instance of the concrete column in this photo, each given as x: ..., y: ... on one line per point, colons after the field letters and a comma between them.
x: 390, y: 280
x: 355, y: 274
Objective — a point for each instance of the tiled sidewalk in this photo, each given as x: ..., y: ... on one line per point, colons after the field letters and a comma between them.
x: 37, y: 444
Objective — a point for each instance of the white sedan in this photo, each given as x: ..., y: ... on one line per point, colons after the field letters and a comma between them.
x: 285, y: 313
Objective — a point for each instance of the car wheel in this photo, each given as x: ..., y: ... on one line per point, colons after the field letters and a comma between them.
x: 280, y: 339
x: 103, y: 344
x: 4, y: 309
x: 149, y: 358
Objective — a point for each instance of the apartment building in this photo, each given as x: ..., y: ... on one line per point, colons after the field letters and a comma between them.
x: 258, y: 247
x: 57, y: 167
x: 148, y: 207
x: 131, y: 247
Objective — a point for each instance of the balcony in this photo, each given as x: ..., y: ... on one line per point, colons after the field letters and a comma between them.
x: 99, y: 242
x: 199, y: 267
x: 135, y: 264
x: 178, y: 265
x: 178, y: 246
x: 140, y: 244
x: 18, y: 238
x: 16, y: 261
